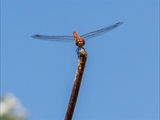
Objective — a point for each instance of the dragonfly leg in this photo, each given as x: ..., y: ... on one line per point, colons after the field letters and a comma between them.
x: 78, y: 50
x: 83, y: 48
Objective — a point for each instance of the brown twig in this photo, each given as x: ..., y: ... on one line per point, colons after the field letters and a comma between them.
x: 76, y: 85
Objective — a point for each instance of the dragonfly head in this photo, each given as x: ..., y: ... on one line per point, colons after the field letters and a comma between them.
x: 75, y: 34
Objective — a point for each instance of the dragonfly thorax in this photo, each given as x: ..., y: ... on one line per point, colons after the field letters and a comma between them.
x: 79, y: 41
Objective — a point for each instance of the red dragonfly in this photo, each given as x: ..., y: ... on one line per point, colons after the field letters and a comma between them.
x: 79, y: 40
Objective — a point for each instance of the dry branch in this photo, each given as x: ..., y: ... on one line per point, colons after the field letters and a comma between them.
x: 76, y: 85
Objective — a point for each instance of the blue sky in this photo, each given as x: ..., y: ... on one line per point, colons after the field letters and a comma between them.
x: 121, y: 78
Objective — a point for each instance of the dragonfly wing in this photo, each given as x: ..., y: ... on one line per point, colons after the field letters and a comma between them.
x: 101, y: 31
x: 54, y: 38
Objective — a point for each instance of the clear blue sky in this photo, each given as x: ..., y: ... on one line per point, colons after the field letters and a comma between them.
x: 121, y: 78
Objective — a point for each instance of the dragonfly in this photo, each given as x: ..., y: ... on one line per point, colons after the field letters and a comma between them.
x: 78, y: 40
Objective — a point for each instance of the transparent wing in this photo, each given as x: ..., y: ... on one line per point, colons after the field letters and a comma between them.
x: 54, y: 38
x: 101, y: 31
